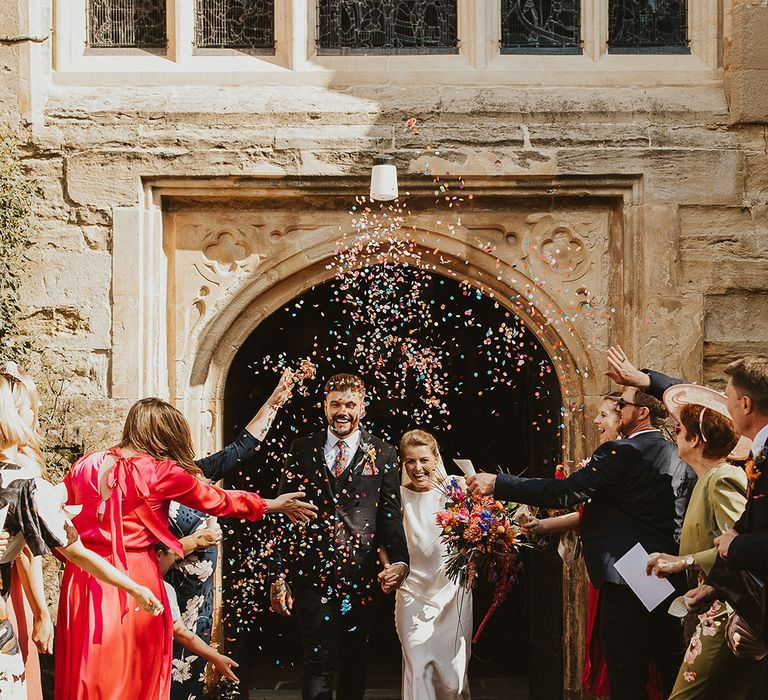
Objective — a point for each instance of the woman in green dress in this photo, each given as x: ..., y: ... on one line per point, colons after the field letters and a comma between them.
x: 705, y: 438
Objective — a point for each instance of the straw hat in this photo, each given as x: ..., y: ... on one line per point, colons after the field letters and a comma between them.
x: 680, y: 394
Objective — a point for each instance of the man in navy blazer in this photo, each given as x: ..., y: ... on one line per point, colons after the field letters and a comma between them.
x: 634, y: 490
x: 329, y: 574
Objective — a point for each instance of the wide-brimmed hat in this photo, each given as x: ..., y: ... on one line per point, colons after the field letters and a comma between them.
x: 680, y: 394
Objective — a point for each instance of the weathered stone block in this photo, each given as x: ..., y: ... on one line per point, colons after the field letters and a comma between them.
x: 736, y: 316
x: 66, y: 279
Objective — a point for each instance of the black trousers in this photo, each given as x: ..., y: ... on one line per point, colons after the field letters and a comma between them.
x: 334, y: 632
x: 631, y: 637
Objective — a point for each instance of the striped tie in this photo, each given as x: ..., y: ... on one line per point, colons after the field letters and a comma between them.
x: 340, y: 463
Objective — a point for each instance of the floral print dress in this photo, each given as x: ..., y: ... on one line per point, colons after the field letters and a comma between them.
x: 34, y: 518
x: 192, y: 577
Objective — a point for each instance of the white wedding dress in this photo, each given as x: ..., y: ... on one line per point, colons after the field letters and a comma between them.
x: 433, y: 615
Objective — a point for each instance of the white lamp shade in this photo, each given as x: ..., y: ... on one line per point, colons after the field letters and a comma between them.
x: 384, y: 179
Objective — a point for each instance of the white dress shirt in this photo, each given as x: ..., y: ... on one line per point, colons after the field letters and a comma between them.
x: 760, y: 439
x: 330, y: 450
x: 642, y: 432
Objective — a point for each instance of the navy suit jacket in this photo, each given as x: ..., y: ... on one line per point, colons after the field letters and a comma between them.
x: 634, y: 490
x: 358, y: 511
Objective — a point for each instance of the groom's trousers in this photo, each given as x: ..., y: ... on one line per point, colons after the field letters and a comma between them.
x: 334, y: 631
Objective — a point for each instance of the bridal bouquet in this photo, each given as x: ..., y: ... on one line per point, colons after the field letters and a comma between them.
x: 482, y: 538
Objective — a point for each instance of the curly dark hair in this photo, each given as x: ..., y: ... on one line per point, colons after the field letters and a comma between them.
x: 345, y: 382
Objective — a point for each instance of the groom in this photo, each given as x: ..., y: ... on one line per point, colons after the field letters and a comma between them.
x: 331, y: 566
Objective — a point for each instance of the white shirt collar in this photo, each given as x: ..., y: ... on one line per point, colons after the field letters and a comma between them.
x: 352, y: 440
x: 760, y: 439
x: 643, y: 432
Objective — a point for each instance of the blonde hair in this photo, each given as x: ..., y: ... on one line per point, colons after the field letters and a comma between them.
x: 24, y: 392
x: 13, y: 431
x: 155, y: 428
x: 420, y: 438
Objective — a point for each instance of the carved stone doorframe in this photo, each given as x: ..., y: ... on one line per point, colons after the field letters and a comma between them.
x: 187, y: 293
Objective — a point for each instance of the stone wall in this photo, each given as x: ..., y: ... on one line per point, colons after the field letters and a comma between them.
x: 692, y: 283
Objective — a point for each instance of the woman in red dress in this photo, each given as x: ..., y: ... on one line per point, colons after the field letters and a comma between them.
x: 107, y: 649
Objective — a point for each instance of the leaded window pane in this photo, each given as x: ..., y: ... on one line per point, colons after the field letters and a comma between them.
x: 637, y: 26
x: 126, y: 24
x: 235, y: 24
x: 532, y: 26
x: 387, y: 26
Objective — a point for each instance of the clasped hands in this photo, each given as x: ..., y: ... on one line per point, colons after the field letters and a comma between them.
x: 390, y: 578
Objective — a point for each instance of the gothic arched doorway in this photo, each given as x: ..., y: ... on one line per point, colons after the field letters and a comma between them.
x: 503, y: 410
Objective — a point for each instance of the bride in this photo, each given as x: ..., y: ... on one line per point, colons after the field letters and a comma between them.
x: 433, y: 615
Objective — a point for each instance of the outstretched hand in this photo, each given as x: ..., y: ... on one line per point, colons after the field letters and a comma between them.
x: 482, y: 484
x: 283, y: 390
x: 297, y: 510
x: 224, y: 665
x: 662, y: 565
x: 622, y: 371
x: 530, y: 525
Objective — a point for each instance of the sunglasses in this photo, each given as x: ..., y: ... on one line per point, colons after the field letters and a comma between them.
x: 620, y: 403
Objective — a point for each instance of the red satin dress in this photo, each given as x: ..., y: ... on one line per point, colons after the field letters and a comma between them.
x: 106, y: 647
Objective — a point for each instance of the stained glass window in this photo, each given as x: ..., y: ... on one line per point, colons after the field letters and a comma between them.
x: 387, y: 26
x: 540, y: 26
x: 648, y: 26
x: 127, y: 24
x: 235, y: 24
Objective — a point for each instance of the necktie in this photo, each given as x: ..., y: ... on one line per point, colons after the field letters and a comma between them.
x: 340, y: 463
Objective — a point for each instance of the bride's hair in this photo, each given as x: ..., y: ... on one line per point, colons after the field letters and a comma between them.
x: 420, y: 438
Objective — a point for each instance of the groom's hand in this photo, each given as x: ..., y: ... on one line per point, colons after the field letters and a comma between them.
x: 391, y: 577
x: 482, y: 484
x: 281, y: 598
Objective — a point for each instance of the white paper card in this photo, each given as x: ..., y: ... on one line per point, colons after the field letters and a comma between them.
x: 3, y: 515
x: 651, y: 590
x: 466, y: 467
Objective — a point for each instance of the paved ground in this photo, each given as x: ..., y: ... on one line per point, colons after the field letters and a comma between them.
x: 384, y: 684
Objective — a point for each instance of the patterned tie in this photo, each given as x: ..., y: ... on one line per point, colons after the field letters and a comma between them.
x: 340, y: 463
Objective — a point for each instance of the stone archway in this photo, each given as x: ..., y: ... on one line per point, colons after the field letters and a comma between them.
x: 510, y: 423
x: 225, y: 254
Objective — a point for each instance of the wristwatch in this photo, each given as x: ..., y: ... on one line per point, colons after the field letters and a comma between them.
x: 689, y: 561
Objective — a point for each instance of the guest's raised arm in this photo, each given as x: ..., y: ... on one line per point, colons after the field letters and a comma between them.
x: 219, y: 464
x: 623, y: 372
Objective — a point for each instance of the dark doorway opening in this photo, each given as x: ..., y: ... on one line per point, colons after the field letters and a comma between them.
x: 502, y: 409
